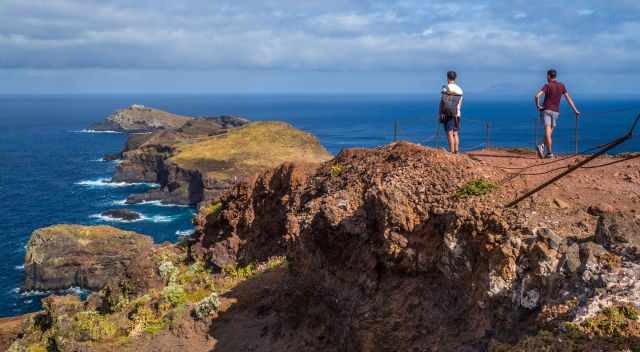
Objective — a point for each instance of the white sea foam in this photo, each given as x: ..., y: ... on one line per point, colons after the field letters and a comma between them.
x: 119, y: 202
x: 95, y: 131
x: 158, y: 203
x: 35, y: 293
x: 19, y: 267
x: 105, y: 182
x: 155, y: 219
x: 184, y: 233
x: 106, y: 218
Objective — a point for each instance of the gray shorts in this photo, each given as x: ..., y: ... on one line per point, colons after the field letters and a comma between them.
x: 549, y: 118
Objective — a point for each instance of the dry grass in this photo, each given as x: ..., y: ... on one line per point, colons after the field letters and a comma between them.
x: 250, y: 149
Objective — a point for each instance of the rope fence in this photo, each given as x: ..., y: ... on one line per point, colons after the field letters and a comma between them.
x: 487, y: 130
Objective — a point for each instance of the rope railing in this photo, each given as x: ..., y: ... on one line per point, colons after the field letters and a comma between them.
x: 487, y: 125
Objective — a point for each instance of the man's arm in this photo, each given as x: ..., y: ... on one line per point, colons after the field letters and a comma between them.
x: 536, y: 99
x: 460, y: 107
x: 572, y: 104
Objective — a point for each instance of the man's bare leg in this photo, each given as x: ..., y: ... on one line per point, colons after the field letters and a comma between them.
x: 548, y: 141
x: 451, y: 139
x: 456, y: 142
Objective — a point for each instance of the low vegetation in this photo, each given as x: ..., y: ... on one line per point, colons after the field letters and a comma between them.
x: 249, y: 149
x: 475, y: 188
x: 190, y: 289
x: 613, y: 329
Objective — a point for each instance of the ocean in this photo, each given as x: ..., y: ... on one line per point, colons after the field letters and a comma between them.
x: 51, y: 170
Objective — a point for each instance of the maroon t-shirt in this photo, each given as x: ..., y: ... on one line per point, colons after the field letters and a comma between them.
x: 553, y: 92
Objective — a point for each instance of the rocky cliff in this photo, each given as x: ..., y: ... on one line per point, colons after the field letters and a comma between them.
x: 397, y: 248
x: 64, y: 256
x: 405, y: 248
x: 192, y: 167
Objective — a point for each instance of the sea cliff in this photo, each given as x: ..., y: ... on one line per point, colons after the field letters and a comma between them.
x: 396, y: 248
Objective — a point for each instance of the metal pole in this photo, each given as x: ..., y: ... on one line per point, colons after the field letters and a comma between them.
x: 437, y: 134
x: 395, y: 131
x: 577, y: 136
x: 487, y: 141
x: 535, y: 134
x: 571, y: 169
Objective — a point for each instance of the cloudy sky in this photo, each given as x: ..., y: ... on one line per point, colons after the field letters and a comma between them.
x: 313, y: 46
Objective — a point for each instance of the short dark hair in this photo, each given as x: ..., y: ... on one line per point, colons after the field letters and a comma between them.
x: 451, y: 75
x: 552, y: 73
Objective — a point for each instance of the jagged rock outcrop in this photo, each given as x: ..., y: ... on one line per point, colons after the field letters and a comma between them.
x: 195, y: 169
x: 252, y: 223
x: 387, y: 252
x: 63, y: 256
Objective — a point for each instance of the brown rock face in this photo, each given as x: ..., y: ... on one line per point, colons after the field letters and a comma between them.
x: 385, y: 255
x: 64, y: 256
x: 255, y: 222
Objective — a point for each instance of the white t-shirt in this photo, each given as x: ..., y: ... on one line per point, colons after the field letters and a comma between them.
x: 453, y: 88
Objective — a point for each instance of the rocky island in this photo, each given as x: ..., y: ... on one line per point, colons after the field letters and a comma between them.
x: 396, y: 248
x: 196, y: 159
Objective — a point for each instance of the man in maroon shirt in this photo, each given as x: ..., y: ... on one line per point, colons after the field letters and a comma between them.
x: 550, y: 110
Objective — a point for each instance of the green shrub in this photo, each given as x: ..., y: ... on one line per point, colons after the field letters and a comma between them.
x: 174, y: 294
x: 91, y: 325
x: 206, y: 307
x: 214, y: 209
x: 336, y: 170
x: 475, y: 188
x: 168, y: 271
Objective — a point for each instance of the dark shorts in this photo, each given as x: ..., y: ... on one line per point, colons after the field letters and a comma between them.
x: 450, y: 125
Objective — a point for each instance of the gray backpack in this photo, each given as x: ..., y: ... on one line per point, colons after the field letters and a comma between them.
x: 450, y: 104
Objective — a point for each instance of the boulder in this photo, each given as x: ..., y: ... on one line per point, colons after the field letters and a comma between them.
x: 619, y: 233
x: 63, y: 256
x: 122, y: 214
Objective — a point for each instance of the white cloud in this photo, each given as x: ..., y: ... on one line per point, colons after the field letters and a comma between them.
x: 288, y: 34
x: 518, y: 15
x: 585, y: 12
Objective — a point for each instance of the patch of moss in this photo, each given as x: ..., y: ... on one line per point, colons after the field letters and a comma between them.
x: 617, y: 321
x: 336, y: 170
x: 91, y: 325
x: 615, y: 328
x: 213, y: 209
x: 475, y: 188
x: 155, y: 327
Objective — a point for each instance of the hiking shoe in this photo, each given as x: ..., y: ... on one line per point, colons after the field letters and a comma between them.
x: 550, y: 156
x: 540, y: 150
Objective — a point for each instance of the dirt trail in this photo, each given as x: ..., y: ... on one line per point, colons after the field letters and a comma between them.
x: 566, y: 205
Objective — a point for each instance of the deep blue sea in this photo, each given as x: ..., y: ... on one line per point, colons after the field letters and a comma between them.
x: 51, y: 172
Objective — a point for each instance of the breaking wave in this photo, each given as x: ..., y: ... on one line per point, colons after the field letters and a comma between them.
x: 95, y: 131
x: 156, y: 219
x: 105, y: 182
x: 184, y: 233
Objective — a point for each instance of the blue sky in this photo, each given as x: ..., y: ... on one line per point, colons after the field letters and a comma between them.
x: 293, y: 46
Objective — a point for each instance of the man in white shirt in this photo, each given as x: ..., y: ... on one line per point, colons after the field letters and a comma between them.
x: 450, y: 111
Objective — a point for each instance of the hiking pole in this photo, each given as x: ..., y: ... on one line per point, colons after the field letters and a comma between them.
x: 535, y: 134
x: 575, y: 167
x: 437, y: 134
x: 487, y: 142
x: 395, y: 131
x: 577, y: 135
